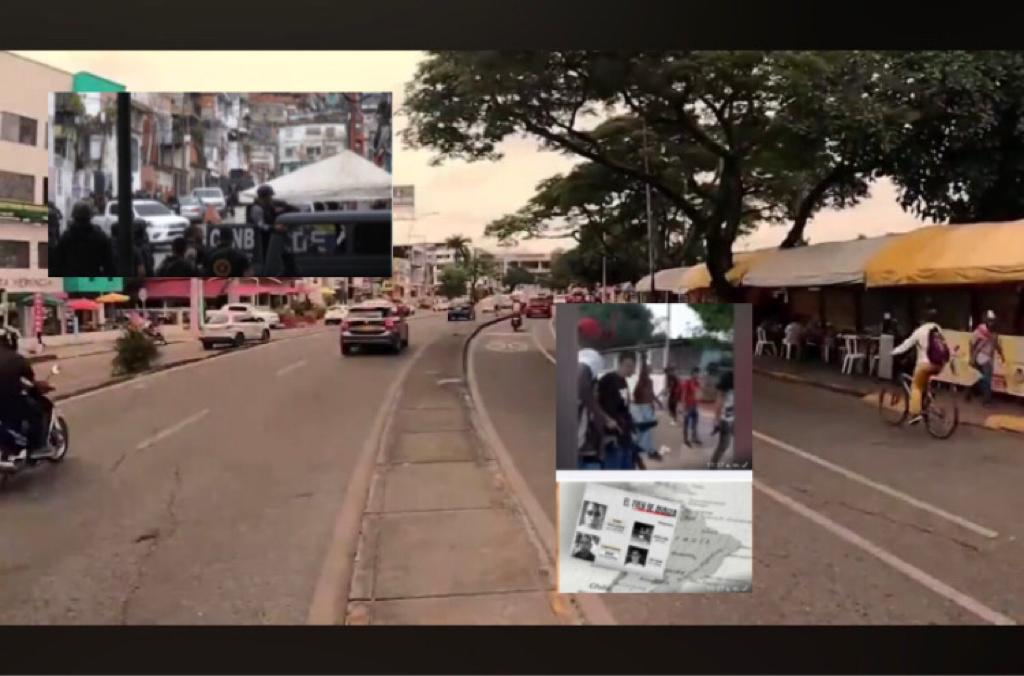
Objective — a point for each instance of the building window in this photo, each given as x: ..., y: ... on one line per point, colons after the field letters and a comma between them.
x: 14, y: 254
x: 312, y: 131
x: 20, y: 187
x: 18, y: 129
x: 289, y: 152
x: 43, y: 249
x: 330, y: 132
x: 60, y: 147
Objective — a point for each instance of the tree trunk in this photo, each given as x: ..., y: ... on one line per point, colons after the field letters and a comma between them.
x: 719, y: 262
x: 809, y: 204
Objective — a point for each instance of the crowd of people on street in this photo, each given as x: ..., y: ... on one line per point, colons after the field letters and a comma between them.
x: 84, y: 249
x: 615, y: 422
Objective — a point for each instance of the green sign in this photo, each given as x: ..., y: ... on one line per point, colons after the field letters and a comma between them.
x: 87, y: 82
x: 93, y: 284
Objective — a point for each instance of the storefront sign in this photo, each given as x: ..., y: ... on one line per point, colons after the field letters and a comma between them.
x: 31, y: 284
x: 1008, y: 376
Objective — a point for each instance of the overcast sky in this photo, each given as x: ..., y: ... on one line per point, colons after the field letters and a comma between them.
x: 684, y: 321
x: 455, y: 198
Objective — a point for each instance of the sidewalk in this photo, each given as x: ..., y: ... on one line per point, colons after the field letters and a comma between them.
x: 1004, y: 415
x: 441, y: 540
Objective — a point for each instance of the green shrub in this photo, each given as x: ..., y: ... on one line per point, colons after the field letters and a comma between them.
x: 135, y: 352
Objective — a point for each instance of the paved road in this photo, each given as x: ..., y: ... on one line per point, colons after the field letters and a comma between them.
x: 205, y: 494
x: 873, y: 538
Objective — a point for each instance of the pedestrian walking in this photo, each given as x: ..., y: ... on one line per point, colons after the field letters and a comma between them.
x: 688, y: 391
x: 985, y: 346
x: 725, y: 416
x: 643, y: 411
x: 613, y: 397
x: 671, y: 393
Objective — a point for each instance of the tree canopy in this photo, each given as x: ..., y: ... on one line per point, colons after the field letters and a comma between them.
x: 727, y: 139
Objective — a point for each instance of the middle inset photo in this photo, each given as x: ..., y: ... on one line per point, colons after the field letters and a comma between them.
x: 650, y: 386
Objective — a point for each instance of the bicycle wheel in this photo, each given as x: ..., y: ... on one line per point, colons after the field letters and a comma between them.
x: 942, y: 415
x: 893, y: 404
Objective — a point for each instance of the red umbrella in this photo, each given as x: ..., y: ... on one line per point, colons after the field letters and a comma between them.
x: 83, y: 304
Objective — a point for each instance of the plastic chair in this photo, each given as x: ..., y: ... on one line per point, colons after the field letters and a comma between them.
x: 763, y: 344
x: 791, y: 348
x: 854, y: 355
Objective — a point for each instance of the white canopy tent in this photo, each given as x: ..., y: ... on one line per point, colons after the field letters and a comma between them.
x: 816, y: 265
x: 345, y: 177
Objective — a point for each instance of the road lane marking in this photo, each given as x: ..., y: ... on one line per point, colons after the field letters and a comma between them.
x: 536, y: 341
x: 184, y: 367
x: 880, y: 487
x: 291, y: 367
x: 177, y: 427
x: 966, y: 602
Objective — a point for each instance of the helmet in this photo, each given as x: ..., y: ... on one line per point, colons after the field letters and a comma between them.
x: 81, y: 212
x: 264, y: 191
x: 589, y: 328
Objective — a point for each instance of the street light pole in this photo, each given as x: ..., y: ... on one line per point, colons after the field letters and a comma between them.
x: 125, y: 248
x: 650, y: 222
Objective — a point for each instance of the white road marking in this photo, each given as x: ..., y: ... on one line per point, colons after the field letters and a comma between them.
x: 177, y: 427
x: 536, y: 341
x: 880, y: 487
x: 180, y: 369
x: 291, y: 367
x: 966, y: 602
x: 447, y: 381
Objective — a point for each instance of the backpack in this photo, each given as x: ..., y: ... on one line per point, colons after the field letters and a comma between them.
x: 938, y: 350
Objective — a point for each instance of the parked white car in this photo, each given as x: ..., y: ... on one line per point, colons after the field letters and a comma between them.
x: 162, y: 224
x: 442, y: 305
x: 233, y: 328
x: 267, y: 315
x: 212, y: 197
x: 336, y: 314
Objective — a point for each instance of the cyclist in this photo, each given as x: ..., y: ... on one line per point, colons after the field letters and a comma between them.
x: 932, y: 356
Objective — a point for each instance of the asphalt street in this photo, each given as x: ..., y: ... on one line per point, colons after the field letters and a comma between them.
x: 205, y: 494
x: 855, y: 522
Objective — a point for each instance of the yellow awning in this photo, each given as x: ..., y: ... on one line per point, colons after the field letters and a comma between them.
x: 699, y: 277
x: 975, y: 253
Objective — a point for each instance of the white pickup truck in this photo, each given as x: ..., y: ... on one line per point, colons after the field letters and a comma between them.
x: 233, y: 328
x: 162, y: 224
x: 267, y: 315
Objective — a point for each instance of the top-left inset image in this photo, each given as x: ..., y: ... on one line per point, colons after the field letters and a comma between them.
x: 220, y: 184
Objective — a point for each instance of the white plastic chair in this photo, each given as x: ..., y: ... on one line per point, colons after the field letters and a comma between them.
x: 763, y: 344
x: 791, y: 348
x: 854, y: 354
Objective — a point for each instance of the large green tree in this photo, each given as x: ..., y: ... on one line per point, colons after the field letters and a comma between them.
x: 453, y: 281
x: 516, y: 276
x: 963, y: 159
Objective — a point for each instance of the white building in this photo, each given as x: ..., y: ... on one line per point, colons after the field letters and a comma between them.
x: 23, y: 269
x: 301, y: 144
x: 537, y: 263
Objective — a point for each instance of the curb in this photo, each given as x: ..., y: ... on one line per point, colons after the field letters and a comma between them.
x: 995, y: 422
x: 589, y: 608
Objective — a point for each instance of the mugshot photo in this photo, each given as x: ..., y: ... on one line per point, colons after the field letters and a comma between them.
x: 592, y: 515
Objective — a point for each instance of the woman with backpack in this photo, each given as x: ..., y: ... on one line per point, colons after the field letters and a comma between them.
x: 932, y: 357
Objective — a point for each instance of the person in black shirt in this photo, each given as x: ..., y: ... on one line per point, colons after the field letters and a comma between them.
x: 613, y: 398
x: 176, y: 265
x: 15, y: 408
x: 225, y: 260
x: 83, y: 250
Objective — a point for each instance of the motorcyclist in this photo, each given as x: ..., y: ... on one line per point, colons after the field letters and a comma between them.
x: 24, y: 415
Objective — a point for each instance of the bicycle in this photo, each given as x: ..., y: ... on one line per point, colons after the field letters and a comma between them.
x: 894, y: 406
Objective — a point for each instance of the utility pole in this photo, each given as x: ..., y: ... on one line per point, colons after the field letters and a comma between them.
x: 125, y: 248
x: 668, y: 336
x: 650, y: 222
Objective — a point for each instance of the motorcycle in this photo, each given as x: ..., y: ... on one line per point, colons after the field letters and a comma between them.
x: 517, y: 322
x: 13, y: 457
x: 155, y: 334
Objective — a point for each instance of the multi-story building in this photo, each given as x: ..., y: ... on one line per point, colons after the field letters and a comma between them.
x: 25, y: 88
x: 302, y: 144
x: 537, y: 263
x: 23, y: 269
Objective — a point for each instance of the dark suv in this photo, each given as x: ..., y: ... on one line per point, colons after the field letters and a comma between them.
x: 461, y: 308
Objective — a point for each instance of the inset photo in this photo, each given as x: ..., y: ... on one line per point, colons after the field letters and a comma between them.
x: 583, y: 548
x: 650, y: 386
x: 221, y: 184
x: 676, y: 536
x: 592, y: 515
